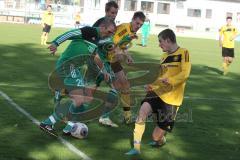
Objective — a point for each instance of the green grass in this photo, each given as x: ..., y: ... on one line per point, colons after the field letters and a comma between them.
x: 208, y: 121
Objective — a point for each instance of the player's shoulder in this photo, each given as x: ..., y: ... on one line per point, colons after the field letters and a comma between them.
x: 123, y: 25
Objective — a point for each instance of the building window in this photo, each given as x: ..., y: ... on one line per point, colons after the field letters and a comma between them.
x: 147, y: 6
x: 96, y: 4
x: 208, y: 13
x: 180, y: 5
x: 194, y: 13
x: 163, y: 8
x: 130, y: 5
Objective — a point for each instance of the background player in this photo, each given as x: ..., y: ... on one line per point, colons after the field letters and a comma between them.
x: 47, y: 22
x: 227, y: 34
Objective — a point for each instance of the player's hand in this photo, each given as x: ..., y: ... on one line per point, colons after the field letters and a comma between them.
x: 220, y: 44
x: 129, y: 60
x: 106, y: 77
x: 165, y: 81
x: 134, y: 36
x: 148, y: 88
x: 52, y: 48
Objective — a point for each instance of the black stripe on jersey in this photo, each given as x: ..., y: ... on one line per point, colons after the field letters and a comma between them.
x: 173, y: 58
x: 122, y: 32
x: 90, y: 34
x: 186, y: 56
x: 229, y: 29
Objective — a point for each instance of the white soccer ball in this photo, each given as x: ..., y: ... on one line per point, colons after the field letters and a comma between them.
x: 79, y: 130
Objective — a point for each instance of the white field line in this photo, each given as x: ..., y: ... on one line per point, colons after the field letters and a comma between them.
x: 71, y: 147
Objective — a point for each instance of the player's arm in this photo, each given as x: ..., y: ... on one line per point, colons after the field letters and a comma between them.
x: 70, y: 35
x: 220, y: 36
x: 43, y: 19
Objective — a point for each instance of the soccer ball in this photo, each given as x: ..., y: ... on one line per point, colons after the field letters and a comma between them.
x: 79, y: 130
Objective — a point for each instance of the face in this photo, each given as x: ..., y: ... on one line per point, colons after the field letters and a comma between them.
x: 136, y: 24
x: 112, y: 13
x: 49, y: 9
x: 229, y: 21
x: 108, y: 31
x: 164, y: 44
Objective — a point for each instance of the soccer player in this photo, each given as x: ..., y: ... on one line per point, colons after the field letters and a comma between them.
x: 72, y: 67
x: 145, y: 31
x: 165, y: 94
x: 77, y: 19
x: 125, y: 33
x: 47, y: 22
x: 111, y: 10
x: 227, y: 34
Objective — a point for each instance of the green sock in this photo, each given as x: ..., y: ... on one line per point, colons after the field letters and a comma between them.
x: 52, y: 119
x: 68, y: 127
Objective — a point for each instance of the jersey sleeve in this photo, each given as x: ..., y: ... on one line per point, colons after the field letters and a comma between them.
x: 221, y: 31
x: 182, y: 76
x: 70, y: 35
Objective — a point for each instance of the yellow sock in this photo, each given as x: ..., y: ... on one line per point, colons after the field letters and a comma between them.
x: 225, y: 68
x: 42, y: 39
x: 137, y: 135
x: 125, y: 98
x: 45, y: 40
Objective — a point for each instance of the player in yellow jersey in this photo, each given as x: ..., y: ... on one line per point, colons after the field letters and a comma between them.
x: 77, y: 19
x: 47, y: 22
x: 165, y: 95
x: 227, y: 34
x: 122, y: 38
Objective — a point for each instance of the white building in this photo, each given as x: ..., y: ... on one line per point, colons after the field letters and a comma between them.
x: 188, y: 17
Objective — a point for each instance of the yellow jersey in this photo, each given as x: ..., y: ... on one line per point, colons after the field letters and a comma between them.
x: 176, y: 68
x: 77, y: 18
x: 228, y: 33
x: 122, y: 38
x: 48, y: 18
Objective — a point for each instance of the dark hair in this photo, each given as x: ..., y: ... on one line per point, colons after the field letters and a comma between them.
x: 110, y: 4
x: 107, y: 22
x: 49, y: 6
x: 167, y: 34
x: 228, y: 17
x: 139, y: 15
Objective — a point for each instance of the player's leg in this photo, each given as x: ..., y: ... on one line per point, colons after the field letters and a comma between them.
x: 123, y: 85
x: 111, y: 102
x: 144, y: 38
x: 165, y: 122
x: 139, y: 129
x: 43, y: 36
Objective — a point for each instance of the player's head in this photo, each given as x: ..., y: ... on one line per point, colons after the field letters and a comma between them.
x: 167, y: 39
x: 49, y: 8
x: 107, y: 27
x: 137, y: 21
x: 111, y: 9
x: 229, y: 20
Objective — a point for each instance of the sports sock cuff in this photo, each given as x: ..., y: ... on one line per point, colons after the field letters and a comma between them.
x: 70, y: 123
x: 52, y: 119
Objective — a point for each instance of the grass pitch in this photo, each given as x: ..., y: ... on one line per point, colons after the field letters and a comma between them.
x: 207, y: 126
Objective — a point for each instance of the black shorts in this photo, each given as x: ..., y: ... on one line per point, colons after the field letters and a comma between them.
x: 46, y: 28
x: 165, y: 113
x: 116, y: 67
x: 77, y: 22
x: 227, y: 52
